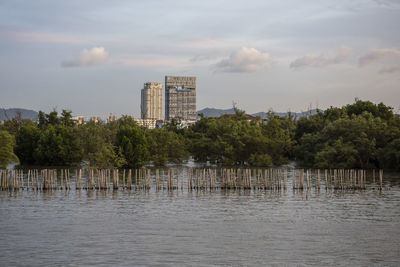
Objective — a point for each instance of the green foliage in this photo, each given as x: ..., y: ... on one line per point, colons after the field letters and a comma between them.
x: 129, y: 142
x: 175, y: 125
x: 233, y: 140
x: 389, y: 156
x: 307, y: 147
x: 98, y: 150
x: 380, y: 110
x: 355, y: 136
x: 26, y: 143
x: 66, y: 118
x: 333, y: 113
x: 7, y: 155
x: 106, y: 157
x: 53, y: 141
x: 53, y: 119
x: 337, y: 155
x: 14, y: 125
x: 279, y: 132
x: 132, y: 141
x: 359, y: 135
x: 309, y: 125
x: 166, y: 146
x: 260, y: 160
x: 58, y: 145
x: 42, y: 119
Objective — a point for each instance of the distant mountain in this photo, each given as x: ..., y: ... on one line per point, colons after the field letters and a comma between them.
x: 10, y: 113
x: 215, y: 113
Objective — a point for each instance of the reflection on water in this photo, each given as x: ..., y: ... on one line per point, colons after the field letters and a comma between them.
x: 221, y: 227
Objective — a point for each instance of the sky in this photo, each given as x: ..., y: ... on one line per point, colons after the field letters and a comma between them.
x: 93, y: 57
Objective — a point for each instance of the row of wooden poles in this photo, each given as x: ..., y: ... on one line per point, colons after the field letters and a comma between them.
x: 195, y: 179
x: 335, y: 179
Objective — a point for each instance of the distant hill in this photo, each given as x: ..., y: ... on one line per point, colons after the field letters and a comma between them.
x: 215, y: 113
x: 11, y: 113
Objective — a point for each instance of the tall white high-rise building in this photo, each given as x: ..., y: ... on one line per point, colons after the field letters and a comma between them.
x: 151, y: 101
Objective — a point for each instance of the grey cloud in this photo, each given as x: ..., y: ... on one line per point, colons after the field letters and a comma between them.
x: 201, y: 58
x: 94, y: 56
x: 376, y: 55
x: 387, y: 3
x: 322, y: 60
x: 244, y: 60
x: 390, y: 69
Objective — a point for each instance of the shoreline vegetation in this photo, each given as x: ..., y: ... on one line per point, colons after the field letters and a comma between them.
x: 362, y: 135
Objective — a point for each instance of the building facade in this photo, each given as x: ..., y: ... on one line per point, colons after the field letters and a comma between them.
x: 78, y: 119
x: 151, y: 101
x: 180, y: 98
x: 146, y: 123
x: 111, y: 118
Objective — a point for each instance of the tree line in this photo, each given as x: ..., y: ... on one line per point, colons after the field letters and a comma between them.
x: 358, y: 135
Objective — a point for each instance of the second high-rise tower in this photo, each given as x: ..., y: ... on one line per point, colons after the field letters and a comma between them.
x: 180, y: 98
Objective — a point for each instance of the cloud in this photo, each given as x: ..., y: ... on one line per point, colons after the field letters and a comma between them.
x: 386, y: 58
x: 322, y: 60
x: 200, y: 58
x: 149, y: 62
x: 94, y: 56
x: 390, y: 69
x: 387, y: 3
x: 245, y: 60
x: 377, y: 55
x: 36, y: 37
x: 202, y: 42
x: 211, y: 56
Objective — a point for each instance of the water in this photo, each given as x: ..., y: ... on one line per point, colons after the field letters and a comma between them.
x: 126, y: 228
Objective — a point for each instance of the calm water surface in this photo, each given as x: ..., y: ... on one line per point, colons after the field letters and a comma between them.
x: 256, y: 228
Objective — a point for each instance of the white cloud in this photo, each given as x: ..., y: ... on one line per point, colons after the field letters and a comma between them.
x: 376, y: 55
x: 245, y: 60
x: 94, y: 56
x: 322, y: 60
